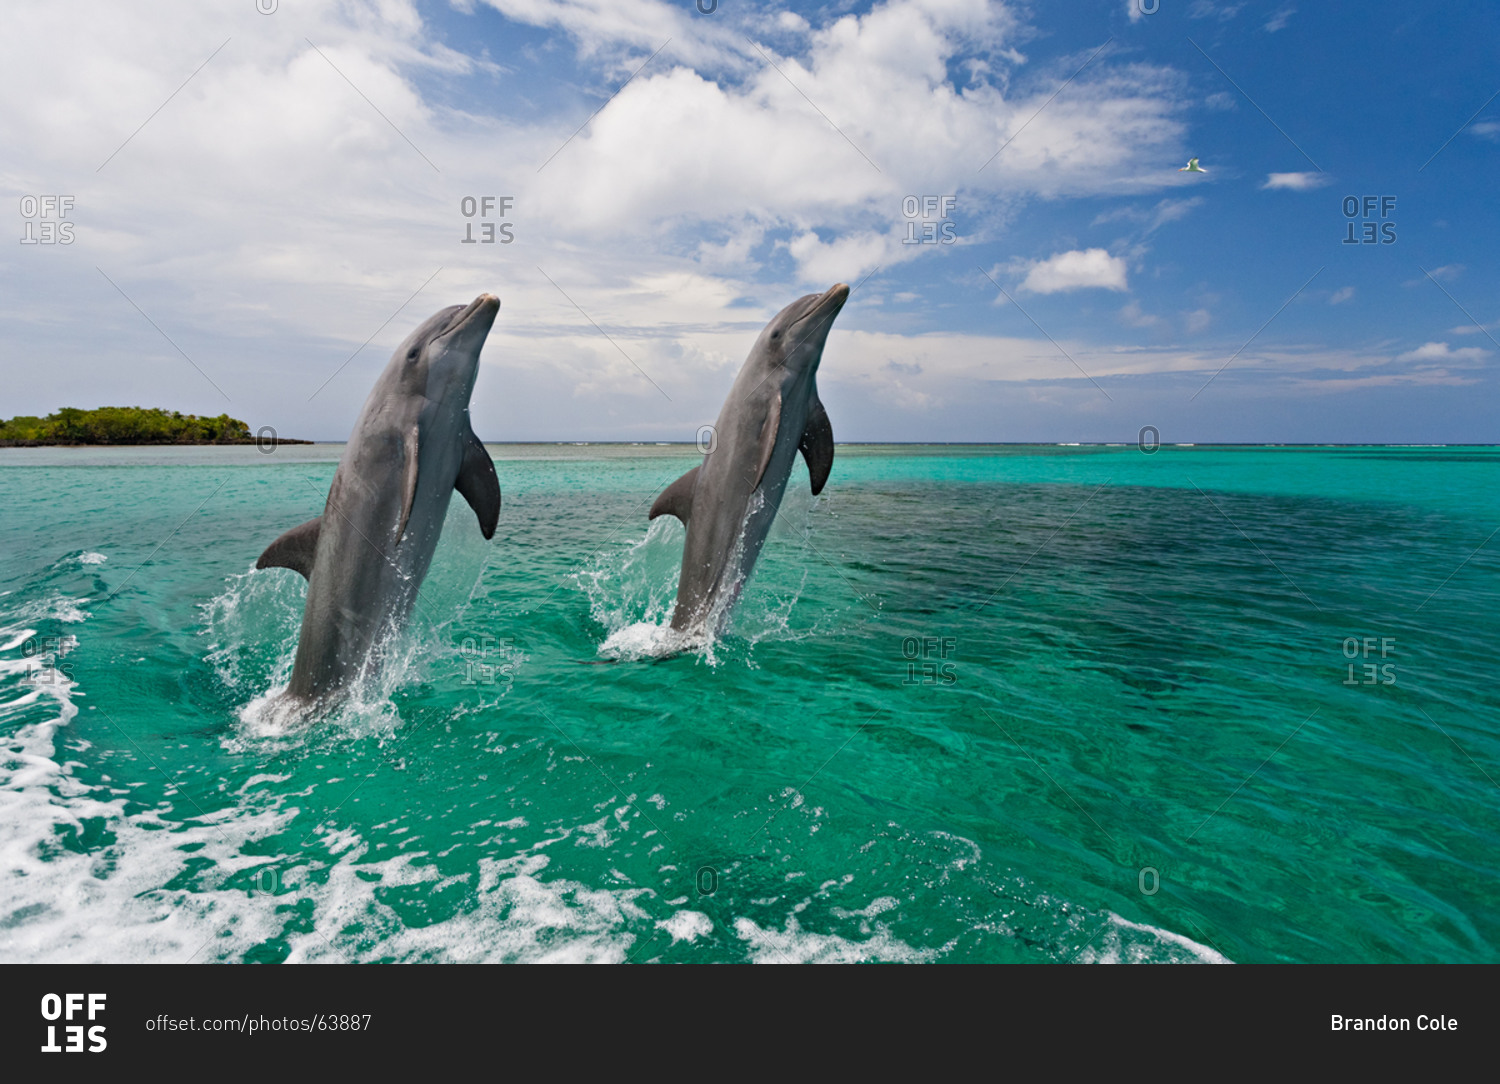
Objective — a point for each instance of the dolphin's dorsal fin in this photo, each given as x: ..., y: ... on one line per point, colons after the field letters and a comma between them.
x: 677, y: 498
x: 412, y: 447
x: 768, y: 438
x: 295, y: 549
x: 479, y: 485
x: 817, y: 445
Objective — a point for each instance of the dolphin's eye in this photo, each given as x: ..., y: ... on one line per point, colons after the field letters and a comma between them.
x: 776, y: 334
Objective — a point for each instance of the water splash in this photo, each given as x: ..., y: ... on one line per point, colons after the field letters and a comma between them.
x: 632, y: 594
x: 254, y: 624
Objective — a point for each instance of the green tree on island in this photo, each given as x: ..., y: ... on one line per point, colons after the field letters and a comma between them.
x: 124, y: 425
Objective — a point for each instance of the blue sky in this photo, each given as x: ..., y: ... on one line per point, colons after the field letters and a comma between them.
x: 286, y: 212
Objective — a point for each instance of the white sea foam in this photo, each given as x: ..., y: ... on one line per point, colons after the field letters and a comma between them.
x: 112, y: 903
x: 1129, y: 942
x: 687, y: 926
x: 794, y: 945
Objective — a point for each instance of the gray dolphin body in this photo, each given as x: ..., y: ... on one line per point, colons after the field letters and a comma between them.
x: 365, y: 556
x: 730, y: 499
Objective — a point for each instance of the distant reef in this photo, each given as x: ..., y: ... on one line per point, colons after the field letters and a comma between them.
x: 126, y: 425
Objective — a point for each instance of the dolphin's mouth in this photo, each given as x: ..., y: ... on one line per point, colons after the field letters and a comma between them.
x: 827, y: 306
x: 481, y: 310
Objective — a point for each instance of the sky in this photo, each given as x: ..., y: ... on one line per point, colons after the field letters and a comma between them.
x: 262, y: 200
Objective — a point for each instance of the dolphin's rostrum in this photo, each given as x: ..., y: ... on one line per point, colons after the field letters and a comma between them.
x: 365, y: 556
x: 730, y: 499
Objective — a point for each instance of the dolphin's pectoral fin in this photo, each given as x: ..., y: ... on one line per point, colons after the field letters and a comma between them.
x: 479, y: 485
x: 817, y: 445
x: 412, y: 448
x: 768, y: 439
x: 677, y: 498
x: 295, y: 549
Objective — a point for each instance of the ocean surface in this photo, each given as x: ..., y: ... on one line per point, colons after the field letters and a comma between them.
x: 999, y: 703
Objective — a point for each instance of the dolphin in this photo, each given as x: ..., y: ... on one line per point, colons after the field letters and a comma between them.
x: 365, y: 556
x: 729, y: 500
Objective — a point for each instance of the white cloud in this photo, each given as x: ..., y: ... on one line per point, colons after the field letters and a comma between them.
x: 1206, y: 9
x: 1446, y: 273
x: 1486, y: 129
x: 1080, y: 269
x: 846, y: 258
x: 1165, y: 211
x: 1442, y: 352
x: 1280, y: 19
x: 1342, y: 294
x: 1297, y: 182
x: 1132, y: 315
x: 1196, y: 320
x: 1170, y: 210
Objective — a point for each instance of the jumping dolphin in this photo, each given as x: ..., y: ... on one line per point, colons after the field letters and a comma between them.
x: 365, y: 556
x: 729, y: 500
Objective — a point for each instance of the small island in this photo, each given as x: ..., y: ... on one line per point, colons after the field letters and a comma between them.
x: 128, y: 425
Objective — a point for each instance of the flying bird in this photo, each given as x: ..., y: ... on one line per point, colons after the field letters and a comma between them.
x: 1192, y: 167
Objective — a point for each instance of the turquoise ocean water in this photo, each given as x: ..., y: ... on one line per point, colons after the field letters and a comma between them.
x: 977, y: 704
